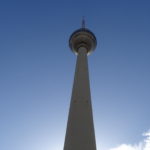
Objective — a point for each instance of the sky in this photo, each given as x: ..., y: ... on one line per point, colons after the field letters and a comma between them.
x: 37, y: 71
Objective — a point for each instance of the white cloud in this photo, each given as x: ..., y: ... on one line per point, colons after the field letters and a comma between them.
x: 147, y: 141
x: 143, y: 145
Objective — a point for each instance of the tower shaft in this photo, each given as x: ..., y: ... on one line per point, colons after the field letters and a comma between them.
x: 80, y: 129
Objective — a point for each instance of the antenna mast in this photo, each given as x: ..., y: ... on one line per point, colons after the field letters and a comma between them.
x: 83, y: 22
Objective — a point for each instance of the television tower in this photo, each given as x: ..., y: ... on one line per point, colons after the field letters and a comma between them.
x: 80, y: 128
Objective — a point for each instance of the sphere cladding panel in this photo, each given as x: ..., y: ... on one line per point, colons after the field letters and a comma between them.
x: 82, y: 38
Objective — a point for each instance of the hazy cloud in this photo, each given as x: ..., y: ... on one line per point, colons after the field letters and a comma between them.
x: 143, y: 145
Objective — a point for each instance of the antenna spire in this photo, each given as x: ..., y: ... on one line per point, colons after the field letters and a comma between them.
x: 83, y: 22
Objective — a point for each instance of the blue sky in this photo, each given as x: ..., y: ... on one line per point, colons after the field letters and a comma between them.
x: 37, y: 69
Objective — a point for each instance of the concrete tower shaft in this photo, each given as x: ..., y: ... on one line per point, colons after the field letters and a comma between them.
x: 80, y: 133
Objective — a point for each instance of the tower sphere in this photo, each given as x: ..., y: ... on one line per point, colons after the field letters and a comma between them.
x: 82, y: 37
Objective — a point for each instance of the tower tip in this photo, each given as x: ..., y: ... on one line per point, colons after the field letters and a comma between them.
x: 83, y: 22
